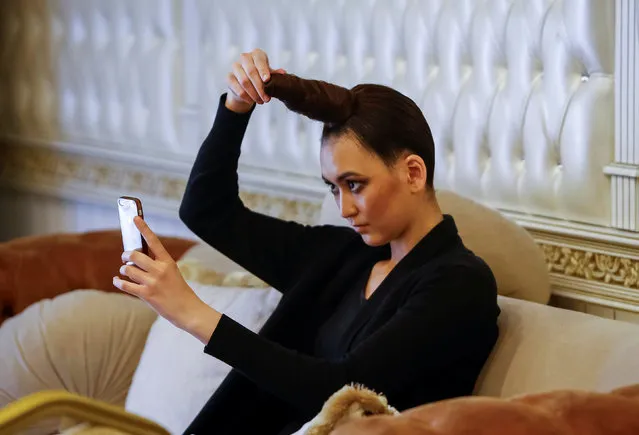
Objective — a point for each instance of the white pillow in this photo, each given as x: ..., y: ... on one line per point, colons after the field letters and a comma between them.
x: 175, y: 377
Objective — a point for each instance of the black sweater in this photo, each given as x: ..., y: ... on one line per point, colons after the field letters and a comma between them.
x: 332, y: 339
x: 424, y: 334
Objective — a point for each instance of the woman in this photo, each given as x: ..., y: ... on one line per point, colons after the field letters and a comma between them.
x: 398, y: 305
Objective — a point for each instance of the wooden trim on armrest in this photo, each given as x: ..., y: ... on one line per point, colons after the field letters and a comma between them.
x: 38, y: 406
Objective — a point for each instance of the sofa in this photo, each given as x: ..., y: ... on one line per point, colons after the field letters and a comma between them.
x: 73, y: 340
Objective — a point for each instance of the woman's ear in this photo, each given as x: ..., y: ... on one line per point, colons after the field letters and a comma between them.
x: 416, y: 172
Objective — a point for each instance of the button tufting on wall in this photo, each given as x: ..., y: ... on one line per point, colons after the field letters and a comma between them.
x: 520, y: 166
x: 527, y: 73
x: 486, y: 164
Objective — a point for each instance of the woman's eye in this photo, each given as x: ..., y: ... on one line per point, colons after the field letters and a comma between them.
x: 354, y: 186
x: 333, y: 189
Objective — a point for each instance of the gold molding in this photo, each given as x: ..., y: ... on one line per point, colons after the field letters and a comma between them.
x: 591, y: 266
x: 29, y: 166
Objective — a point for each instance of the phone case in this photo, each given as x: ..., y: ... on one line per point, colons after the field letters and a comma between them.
x: 128, y: 208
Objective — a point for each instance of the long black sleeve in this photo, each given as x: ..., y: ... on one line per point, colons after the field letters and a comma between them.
x: 276, y: 251
x: 439, y: 324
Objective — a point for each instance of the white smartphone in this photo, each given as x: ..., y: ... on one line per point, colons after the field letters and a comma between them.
x: 128, y: 208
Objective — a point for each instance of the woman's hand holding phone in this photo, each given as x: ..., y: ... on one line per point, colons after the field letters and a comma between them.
x: 160, y: 284
x: 246, y: 81
x: 159, y: 281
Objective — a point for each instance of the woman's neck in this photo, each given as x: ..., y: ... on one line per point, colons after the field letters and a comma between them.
x: 425, y: 219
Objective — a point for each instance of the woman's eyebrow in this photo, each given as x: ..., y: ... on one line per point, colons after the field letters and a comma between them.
x: 342, y: 176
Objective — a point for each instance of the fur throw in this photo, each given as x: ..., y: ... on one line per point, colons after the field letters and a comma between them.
x: 347, y: 404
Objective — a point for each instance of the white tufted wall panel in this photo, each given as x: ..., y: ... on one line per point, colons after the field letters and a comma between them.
x: 116, y: 70
x: 519, y: 93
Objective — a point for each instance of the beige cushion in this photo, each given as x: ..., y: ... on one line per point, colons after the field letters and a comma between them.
x: 517, y: 262
x: 543, y: 348
x: 86, y: 341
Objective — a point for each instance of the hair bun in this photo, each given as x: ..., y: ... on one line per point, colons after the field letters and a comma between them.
x: 315, y: 99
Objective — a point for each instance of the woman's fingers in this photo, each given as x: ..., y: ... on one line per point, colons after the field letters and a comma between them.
x: 136, y: 274
x: 237, y: 89
x: 129, y: 287
x: 244, y: 81
x: 154, y: 243
x: 260, y: 59
x: 140, y: 259
x: 254, y: 75
x: 247, y: 78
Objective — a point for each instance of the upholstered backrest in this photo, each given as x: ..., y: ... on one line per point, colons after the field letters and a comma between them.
x: 40, y: 267
x: 543, y: 348
x: 515, y: 259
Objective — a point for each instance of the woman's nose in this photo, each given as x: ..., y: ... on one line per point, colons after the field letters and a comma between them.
x: 347, y: 206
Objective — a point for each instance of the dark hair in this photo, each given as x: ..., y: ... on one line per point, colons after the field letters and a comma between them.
x: 385, y: 121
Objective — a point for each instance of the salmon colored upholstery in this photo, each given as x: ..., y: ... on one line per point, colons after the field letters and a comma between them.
x: 38, y: 267
x: 565, y: 412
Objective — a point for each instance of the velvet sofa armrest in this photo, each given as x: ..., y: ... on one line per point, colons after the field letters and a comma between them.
x: 38, y: 267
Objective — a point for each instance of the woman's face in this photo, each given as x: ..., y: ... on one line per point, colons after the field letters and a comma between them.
x: 373, y: 198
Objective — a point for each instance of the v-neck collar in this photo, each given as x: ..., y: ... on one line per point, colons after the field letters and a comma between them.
x: 437, y: 239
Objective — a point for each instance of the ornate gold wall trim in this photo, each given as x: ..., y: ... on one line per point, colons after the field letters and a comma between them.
x: 591, y: 266
x: 26, y: 167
